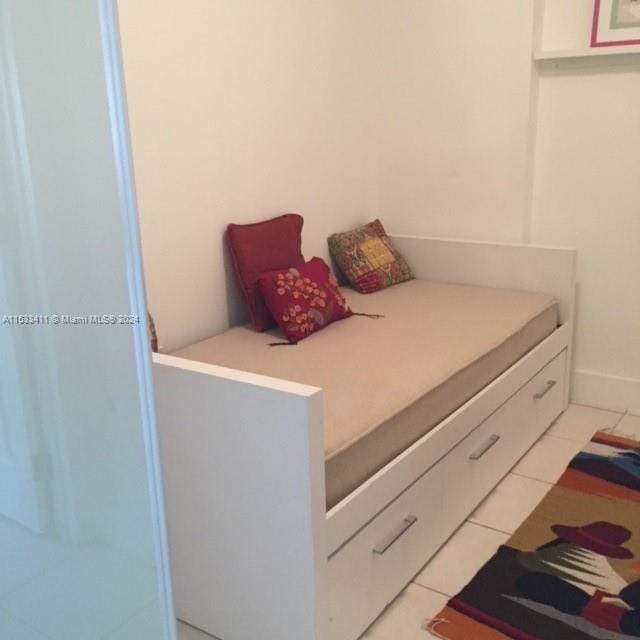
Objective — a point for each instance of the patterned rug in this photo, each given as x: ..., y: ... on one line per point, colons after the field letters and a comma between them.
x: 572, y: 569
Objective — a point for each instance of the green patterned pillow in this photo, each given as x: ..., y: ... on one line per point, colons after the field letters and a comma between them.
x: 368, y: 259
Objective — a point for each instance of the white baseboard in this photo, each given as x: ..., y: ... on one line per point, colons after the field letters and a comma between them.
x: 605, y: 391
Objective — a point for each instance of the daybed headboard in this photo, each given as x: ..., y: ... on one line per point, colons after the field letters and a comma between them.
x: 508, y: 266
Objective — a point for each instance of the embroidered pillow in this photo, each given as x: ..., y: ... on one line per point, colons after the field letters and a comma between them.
x: 259, y: 247
x: 153, y: 336
x: 303, y: 299
x: 368, y: 259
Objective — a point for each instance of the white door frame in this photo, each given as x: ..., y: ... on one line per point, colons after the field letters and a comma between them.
x: 128, y: 206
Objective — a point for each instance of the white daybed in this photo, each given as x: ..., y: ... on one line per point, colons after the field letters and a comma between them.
x: 284, y: 524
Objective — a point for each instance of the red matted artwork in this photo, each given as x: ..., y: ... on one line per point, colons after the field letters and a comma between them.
x: 615, y: 23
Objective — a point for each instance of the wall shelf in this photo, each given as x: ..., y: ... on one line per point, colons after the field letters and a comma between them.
x: 561, y: 54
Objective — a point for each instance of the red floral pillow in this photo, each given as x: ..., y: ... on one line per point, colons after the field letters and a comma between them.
x: 303, y: 299
x: 368, y: 259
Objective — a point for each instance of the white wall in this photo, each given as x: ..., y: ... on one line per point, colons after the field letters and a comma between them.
x: 240, y: 111
x: 429, y: 114
x: 337, y: 110
x: 454, y: 117
x: 476, y: 141
x: 587, y: 194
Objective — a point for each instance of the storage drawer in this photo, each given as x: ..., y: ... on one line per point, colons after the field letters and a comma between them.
x: 371, y: 568
x: 484, y: 457
x: 369, y: 571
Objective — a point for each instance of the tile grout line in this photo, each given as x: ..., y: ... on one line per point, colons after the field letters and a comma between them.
x: 486, y: 526
x: 440, y: 593
x: 566, y: 438
x: 588, y: 406
x: 522, y: 475
x: 582, y: 442
x: 190, y: 626
x: 622, y: 417
x: 631, y: 435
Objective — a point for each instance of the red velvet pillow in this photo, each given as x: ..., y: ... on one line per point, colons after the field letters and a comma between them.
x: 303, y: 299
x: 259, y: 247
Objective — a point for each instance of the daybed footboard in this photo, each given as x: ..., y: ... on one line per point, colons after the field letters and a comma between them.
x: 243, y: 468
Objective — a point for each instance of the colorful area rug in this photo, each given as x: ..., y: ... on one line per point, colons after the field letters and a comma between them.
x: 572, y: 569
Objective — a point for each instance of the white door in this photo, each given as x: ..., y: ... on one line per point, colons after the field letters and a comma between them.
x: 79, y: 458
x: 19, y: 488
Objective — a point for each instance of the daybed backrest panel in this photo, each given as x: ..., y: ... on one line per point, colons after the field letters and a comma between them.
x: 487, y: 264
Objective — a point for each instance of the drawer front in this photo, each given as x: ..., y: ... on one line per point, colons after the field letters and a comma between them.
x: 484, y: 457
x: 369, y: 571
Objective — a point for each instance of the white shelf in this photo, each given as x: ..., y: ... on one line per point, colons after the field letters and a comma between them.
x: 586, y: 53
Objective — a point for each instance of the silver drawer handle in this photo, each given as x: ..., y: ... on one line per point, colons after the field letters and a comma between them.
x: 481, y: 450
x: 407, y: 523
x: 541, y: 394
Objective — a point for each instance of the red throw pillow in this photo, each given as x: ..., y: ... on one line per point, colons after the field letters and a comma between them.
x: 259, y: 247
x: 303, y: 299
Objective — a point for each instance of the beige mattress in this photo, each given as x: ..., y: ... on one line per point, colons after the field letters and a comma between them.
x: 389, y: 381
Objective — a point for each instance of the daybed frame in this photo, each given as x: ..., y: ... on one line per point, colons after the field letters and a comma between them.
x: 255, y: 554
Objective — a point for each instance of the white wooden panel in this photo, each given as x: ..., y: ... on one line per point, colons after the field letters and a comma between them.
x: 518, y: 424
x: 489, y: 264
x: 361, y: 582
x: 243, y: 465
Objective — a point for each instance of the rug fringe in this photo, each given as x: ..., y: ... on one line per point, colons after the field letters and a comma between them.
x: 430, y: 625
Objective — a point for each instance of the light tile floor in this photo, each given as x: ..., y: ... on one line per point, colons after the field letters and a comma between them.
x: 547, y: 459
x: 510, y: 503
x: 628, y: 426
x: 457, y: 562
x: 50, y: 590
x: 96, y: 588
x: 489, y: 526
x: 579, y: 423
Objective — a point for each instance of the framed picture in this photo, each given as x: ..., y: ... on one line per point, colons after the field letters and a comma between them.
x: 615, y: 23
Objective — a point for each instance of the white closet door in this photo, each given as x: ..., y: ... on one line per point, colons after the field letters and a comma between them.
x: 18, y: 484
x: 83, y: 551
x: 19, y: 499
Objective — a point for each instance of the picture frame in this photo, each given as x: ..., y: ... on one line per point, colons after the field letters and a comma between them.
x: 616, y: 23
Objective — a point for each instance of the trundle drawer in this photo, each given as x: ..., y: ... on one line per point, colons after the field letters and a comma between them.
x: 369, y: 571
x: 483, y: 458
x: 373, y: 566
